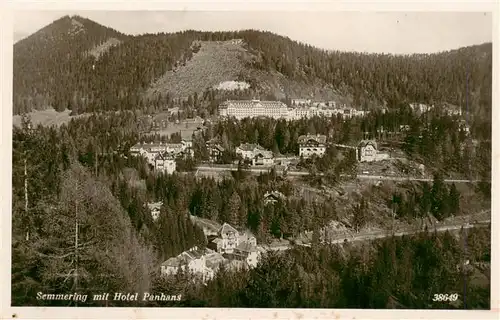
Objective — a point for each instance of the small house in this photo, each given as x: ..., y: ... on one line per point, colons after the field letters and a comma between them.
x: 273, y: 197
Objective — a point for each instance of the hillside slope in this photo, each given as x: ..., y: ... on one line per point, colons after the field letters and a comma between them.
x: 215, y: 63
x: 53, y: 68
x: 53, y: 59
x: 212, y: 63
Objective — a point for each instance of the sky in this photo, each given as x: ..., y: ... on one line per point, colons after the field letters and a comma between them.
x: 381, y: 32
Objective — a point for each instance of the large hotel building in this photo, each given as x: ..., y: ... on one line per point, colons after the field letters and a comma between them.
x: 241, y: 109
x: 253, y: 108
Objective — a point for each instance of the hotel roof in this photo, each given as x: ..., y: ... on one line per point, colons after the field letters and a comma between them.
x: 252, y: 103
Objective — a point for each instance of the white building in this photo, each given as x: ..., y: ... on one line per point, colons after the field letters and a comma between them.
x: 332, y: 104
x: 301, y: 108
x: 152, y: 150
x: 273, y: 197
x: 255, y: 153
x: 310, y: 145
x: 453, y: 111
x: 215, y: 150
x: 154, y: 208
x: 248, y: 253
x: 236, y: 246
x: 367, y: 152
x: 301, y: 102
x: 420, y: 107
x: 241, y: 109
x: 404, y: 128
x: 464, y: 126
x: 228, y: 239
x: 200, y: 263
x: 247, y: 237
x: 263, y: 158
x: 164, y: 162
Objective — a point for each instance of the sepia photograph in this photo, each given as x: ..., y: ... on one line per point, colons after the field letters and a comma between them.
x: 251, y: 159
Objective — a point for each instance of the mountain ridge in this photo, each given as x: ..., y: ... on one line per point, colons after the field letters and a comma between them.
x: 276, y: 64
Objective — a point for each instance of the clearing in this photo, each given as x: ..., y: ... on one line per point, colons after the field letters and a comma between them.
x: 227, y: 66
x: 214, y: 63
x: 48, y: 117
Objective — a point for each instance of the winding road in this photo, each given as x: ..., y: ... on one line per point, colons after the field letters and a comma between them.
x: 385, y: 234
x: 305, y: 173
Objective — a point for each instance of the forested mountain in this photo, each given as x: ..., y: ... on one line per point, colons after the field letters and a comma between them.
x: 393, y: 273
x: 54, y: 67
x: 82, y: 226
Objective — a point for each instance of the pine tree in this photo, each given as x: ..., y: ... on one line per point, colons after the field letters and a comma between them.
x: 438, y: 197
x: 234, y: 207
x: 454, y: 200
x: 359, y: 219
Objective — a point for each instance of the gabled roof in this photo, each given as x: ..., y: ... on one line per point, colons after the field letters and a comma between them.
x: 308, y: 137
x: 215, y: 145
x: 364, y: 143
x: 227, y: 228
x: 192, y: 254
x: 217, y: 240
x: 250, y: 147
x: 264, y: 154
x: 155, y: 205
x: 164, y: 156
x: 180, y: 260
x: 274, y: 194
x: 172, y: 262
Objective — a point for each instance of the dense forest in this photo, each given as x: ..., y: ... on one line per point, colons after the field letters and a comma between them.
x: 436, y: 140
x: 84, y: 220
x: 54, y: 56
x: 401, y: 273
x: 80, y: 220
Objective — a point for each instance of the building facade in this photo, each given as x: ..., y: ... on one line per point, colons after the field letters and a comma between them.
x: 273, y: 197
x: 263, y: 158
x: 161, y: 155
x: 310, y: 145
x: 193, y: 261
x: 215, y: 150
x: 255, y: 153
x: 241, y: 109
x: 367, y: 152
x: 154, y: 208
x: 300, y: 109
x: 229, y: 238
x: 165, y: 162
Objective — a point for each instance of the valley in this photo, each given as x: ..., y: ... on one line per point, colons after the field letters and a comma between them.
x: 246, y: 169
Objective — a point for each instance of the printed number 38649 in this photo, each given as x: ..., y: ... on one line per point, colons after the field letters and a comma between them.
x: 445, y: 297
